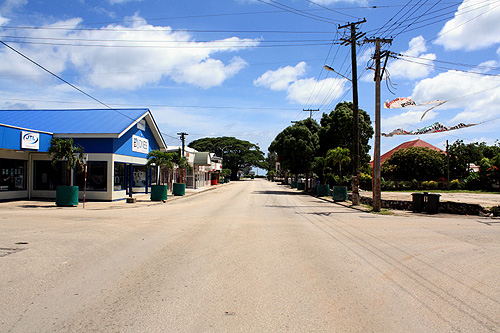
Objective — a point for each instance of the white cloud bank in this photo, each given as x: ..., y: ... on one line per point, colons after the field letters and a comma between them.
x: 475, y: 26
x: 302, y: 91
x: 412, y: 70
x: 126, y: 57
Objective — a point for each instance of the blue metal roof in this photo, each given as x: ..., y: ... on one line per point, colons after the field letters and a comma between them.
x: 75, y: 121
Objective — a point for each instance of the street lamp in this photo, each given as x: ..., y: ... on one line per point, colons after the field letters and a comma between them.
x: 355, y: 130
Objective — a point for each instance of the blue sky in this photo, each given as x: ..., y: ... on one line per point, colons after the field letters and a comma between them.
x: 247, y: 68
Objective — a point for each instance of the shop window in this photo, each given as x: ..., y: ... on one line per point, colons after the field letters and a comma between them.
x: 12, y: 175
x: 119, y: 180
x: 97, y: 176
x: 47, y: 176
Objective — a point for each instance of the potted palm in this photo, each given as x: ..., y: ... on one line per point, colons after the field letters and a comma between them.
x: 65, y: 150
x: 159, y: 159
x: 179, y: 188
x: 339, y: 156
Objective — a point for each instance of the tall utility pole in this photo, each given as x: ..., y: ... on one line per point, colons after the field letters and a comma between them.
x: 377, y: 193
x: 183, y: 139
x: 355, y: 111
x: 310, y: 112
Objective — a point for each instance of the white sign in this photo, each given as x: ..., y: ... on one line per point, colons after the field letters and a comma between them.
x: 140, y: 145
x: 30, y: 140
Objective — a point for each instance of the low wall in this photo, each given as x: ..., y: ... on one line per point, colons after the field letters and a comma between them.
x: 444, y: 207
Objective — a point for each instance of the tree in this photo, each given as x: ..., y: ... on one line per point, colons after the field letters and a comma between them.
x: 160, y: 159
x: 237, y: 154
x: 65, y: 150
x: 297, y: 145
x: 338, y: 156
x: 336, y: 131
x: 415, y: 163
x: 320, y: 168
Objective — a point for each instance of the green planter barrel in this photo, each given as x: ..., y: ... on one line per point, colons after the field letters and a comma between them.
x: 159, y: 192
x: 339, y: 193
x: 323, y: 190
x: 294, y: 183
x: 67, y: 196
x: 179, y: 189
x: 301, y: 186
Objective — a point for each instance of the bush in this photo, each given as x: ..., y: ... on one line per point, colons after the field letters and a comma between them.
x: 365, y: 181
x: 387, y: 185
x: 455, y: 184
x: 495, y: 210
x: 430, y: 185
x: 473, y: 182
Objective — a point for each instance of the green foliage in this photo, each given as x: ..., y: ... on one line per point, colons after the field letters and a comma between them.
x: 297, y: 145
x: 336, y: 131
x: 338, y: 157
x: 320, y: 168
x: 65, y: 150
x: 365, y: 181
x: 430, y: 185
x: 160, y: 159
x: 237, y: 154
x: 225, y: 172
x: 455, y: 184
x: 414, y: 163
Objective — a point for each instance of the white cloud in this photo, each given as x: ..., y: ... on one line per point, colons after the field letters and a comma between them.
x: 282, y: 77
x: 129, y: 57
x: 476, y: 97
x: 11, y: 5
x: 316, y: 92
x: 4, y: 20
x: 119, y: 2
x: 475, y: 26
x: 209, y: 73
x: 411, y: 69
x: 330, y: 2
x: 301, y: 91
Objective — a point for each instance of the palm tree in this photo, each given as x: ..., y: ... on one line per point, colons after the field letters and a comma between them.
x: 65, y: 150
x: 338, y: 156
x: 160, y: 159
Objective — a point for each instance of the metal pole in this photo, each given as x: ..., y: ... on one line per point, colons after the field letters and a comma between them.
x: 85, y: 180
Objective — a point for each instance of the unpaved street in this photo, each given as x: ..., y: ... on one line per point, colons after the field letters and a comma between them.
x: 252, y: 256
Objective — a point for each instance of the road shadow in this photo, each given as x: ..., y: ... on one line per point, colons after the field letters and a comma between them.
x: 268, y: 192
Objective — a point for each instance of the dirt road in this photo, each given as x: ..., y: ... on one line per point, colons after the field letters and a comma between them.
x: 253, y: 257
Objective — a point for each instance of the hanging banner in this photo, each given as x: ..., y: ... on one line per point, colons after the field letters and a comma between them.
x: 437, y: 127
x: 399, y: 102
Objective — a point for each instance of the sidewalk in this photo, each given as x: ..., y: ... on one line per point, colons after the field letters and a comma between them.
x: 142, y: 200
x: 486, y: 200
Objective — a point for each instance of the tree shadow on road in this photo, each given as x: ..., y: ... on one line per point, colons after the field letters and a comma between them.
x: 268, y: 192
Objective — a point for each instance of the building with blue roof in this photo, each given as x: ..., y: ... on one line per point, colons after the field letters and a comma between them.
x: 116, y: 142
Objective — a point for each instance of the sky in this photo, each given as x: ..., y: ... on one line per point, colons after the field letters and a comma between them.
x: 249, y: 68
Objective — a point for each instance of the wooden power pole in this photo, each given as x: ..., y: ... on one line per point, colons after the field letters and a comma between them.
x: 376, y: 186
x: 355, y: 111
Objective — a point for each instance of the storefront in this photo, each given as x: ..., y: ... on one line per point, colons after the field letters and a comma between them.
x: 116, y: 143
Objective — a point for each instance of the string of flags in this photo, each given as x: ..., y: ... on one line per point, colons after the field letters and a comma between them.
x: 437, y: 127
x: 403, y: 102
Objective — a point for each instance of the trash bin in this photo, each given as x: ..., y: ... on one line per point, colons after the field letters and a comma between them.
x: 433, y: 203
x: 418, y: 202
x: 294, y: 184
x: 339, y: 193
x: 301, y: 186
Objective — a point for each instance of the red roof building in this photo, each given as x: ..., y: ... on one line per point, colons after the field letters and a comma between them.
x: 414, y: 143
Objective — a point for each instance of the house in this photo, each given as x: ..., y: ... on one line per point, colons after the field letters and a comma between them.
x: 116, y: 143
x: 414, y: 143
